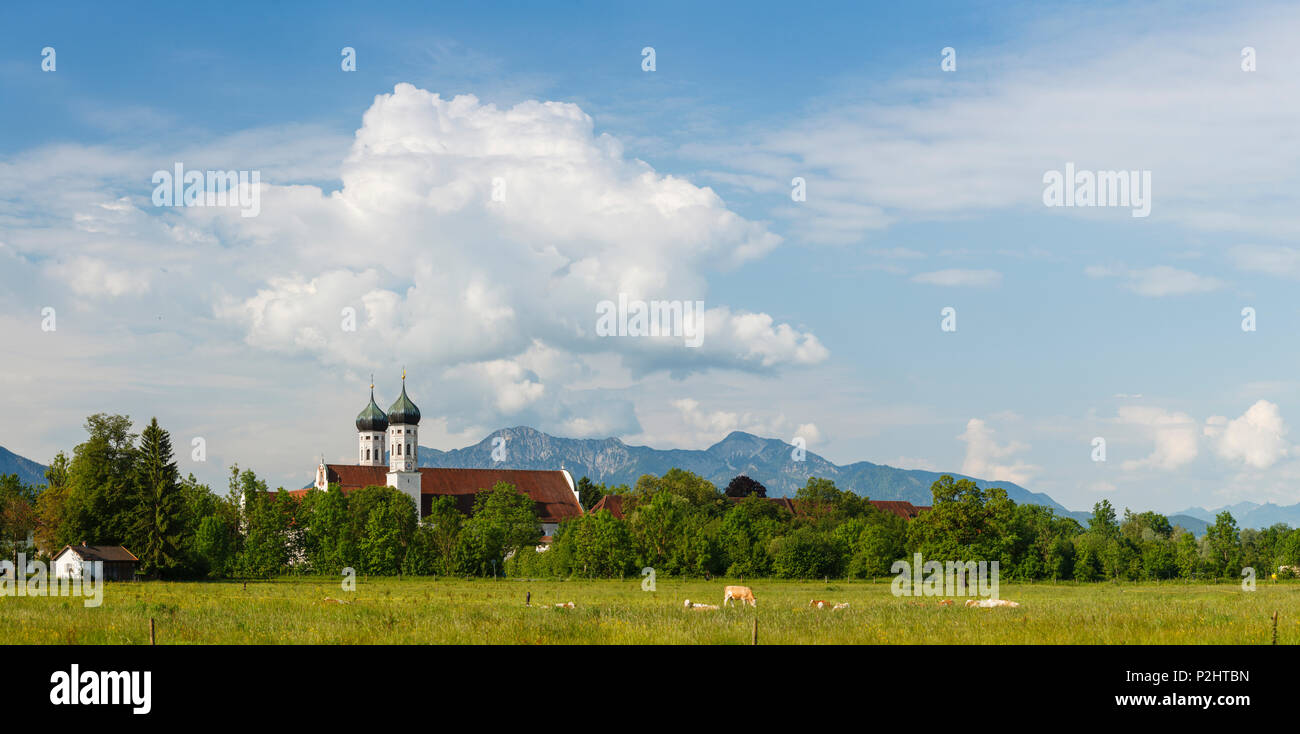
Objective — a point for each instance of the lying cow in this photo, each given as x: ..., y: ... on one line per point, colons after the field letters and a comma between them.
x: 987, y: 603
x: 701, y: 607
x: 565, y: 605
x: 823, y: 604
x: 742, y: 593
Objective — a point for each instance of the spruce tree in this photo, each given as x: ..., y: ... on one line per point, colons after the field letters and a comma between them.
x: 159, y: 523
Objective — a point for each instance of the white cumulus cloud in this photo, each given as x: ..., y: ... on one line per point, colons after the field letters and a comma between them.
x: 988, y: 459
x: 1257, y: 438
x: 1173, y: 433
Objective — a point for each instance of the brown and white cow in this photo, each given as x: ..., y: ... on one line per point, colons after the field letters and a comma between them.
x: 742, y: 593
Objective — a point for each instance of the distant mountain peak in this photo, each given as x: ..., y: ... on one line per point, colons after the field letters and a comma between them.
x: 27, y: 470
x: 739, y: 442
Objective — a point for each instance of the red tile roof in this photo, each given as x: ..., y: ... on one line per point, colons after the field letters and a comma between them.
x: 549, y: 489
x: 905, y: 510
x: 611, y: 502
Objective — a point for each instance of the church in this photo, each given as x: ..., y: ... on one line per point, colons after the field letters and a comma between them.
x: 388, y: 453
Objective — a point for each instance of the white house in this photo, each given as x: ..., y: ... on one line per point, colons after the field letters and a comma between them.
x: 119, y: 563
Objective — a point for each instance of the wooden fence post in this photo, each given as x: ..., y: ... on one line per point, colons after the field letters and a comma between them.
x: 151, y: 634
x: 1274, y: 626
x: 754, y: 638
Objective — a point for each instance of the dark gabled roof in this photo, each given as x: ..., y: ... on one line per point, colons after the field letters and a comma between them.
x: 905, y: 510
x: 99, y: 552
x: 901, y: 508
x: 784, y: 502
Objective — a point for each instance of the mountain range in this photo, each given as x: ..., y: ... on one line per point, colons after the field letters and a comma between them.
x: 1249, y: 514
x: 768, y: 460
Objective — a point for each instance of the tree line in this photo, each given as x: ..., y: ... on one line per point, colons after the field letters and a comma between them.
x: 123, y: 487
x: 680, y: 524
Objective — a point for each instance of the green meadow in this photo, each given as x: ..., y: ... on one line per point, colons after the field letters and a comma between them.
x: 475, y: 611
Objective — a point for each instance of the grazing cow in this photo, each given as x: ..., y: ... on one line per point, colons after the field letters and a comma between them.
x: 841, y: 605
x: 565, y: 605
x: 743, y: 593
x: 987, y: 603
x: 701, y: 607
x: 1293, y: 569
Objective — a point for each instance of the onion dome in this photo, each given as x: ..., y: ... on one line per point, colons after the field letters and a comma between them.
x: 404, y: 411
x: 372, y: 418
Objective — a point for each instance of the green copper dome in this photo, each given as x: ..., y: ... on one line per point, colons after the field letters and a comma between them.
x: 404, y: 411
x: 372, y: 418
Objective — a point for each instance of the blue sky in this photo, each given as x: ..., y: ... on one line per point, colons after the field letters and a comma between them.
x: 924, y: 190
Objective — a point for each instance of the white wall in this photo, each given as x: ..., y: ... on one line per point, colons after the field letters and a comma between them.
x: 407, y: 483
x: 374, y: 441
x: 68, y: 565
x: 408, y: 437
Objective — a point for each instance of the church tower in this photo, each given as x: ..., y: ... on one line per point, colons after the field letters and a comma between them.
x: 404, y: 446
x: 372, y: 427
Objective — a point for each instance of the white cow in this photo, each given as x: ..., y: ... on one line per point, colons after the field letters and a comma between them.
x: 700, y: 607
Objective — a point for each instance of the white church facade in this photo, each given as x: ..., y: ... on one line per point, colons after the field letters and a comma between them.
x: 388, y: 451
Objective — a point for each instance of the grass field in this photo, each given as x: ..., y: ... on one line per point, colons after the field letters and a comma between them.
x: 459, y: 611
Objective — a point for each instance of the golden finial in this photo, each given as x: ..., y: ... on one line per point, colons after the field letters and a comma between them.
x: 372, y: 381
x: 403, y: 374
